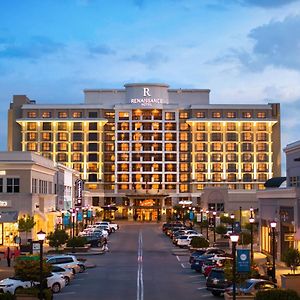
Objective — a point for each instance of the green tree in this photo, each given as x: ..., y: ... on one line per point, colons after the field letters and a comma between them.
x: 25, y: 224
x: 57, y: 238
x: 292, y: 259
x: 226, y: 220
x: 199, y: 242
x: 245, y: 238
x: 248, y: 227
x: 221, y: 229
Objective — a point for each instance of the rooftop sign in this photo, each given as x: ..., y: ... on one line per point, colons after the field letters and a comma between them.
x: 147, y: 99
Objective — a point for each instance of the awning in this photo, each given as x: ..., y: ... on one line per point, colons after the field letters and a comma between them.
x: 8, y: 216
x: 274, y: 182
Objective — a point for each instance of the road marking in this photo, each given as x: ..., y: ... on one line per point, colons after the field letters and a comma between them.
x: 177, y: 257
x: 202, y: 288
x: 183, y: 266
x: 140, y: 281
x: 65, y: 293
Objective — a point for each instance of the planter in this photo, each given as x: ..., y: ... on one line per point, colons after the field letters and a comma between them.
x: 228, y: 296
x: 291, y: 282
x: 76, y: 249
x: 26, y: 297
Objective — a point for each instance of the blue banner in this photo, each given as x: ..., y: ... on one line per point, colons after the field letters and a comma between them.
x: 89, y: 213
x: 79, y: 216
x: 66, y: 220
x: 191, y: 215
x: 243, y: 260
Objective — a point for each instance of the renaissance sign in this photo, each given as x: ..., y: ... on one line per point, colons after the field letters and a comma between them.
x: 146, y: 100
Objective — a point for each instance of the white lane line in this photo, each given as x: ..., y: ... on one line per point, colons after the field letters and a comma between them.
x: 193, y: 276
x: 65, y: 293
x: 202, y: 288
x: 177, y: 257
x: 140, y: 281
x: 183, y: 266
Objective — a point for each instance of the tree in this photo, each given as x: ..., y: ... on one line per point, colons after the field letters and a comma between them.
x: 199, y: 242
x: 25, y: 224
x: 221, y: 229
x: 226, y: 220
x: 292, y: 259
x: 245, y: 238
x: 57, y: 238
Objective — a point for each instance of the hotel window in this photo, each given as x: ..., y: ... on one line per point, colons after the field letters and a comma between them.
x: 262, y: 147
x: 200, y: 186
x: 247, y: 177
x: 94, y: 147
x: 247, y: 126
x: 77, y: 114
x: 184, y: 167
x: 231, y: 136
x: 46, y: 136
x: 169, y: 147
x: 184, y: 126
x: 216, y: 147
x: 184, y: 147
x: 262, y: 177
x: 46, y: 146
x: 261, y: 127
x: 231, y: 157
x: 200, y: 147
x: 231, y: 114
x: 46, y: 126
x: 216, y: 177
x: 247, y: 168
x: 200, y: 168
x: 261, y: 115
x: 231, y: 168
x: 109, y: 115
x: 77, y: 126
x: 184, y: 157
x: 231, y: 127
x: 201, y: 157
x: 76, y: 157
x: 46, y: 114
x: 12, y: 185
x: 62, y: 147
x: 93, y: 114
x: 200, y: 114
x: 170, y: 126
x: 123, y: 157
x: 216, y: 115
x: 62, y: 157
x: 31, y: 136
x: 247, y: 114
x: 78, y: 136
x: 31, y: 114
x: 247, y: 157
x: 200, y: 136
x: 77, y: 167
x: 200, y: 126
x: 107, y: 147
x: 262, y: 157
x: 247, y: 186
x: 262, y: 168
x: 62, y: 126
x: 216, y: 157
x: 31, y: 126
x: 231, y: 147
x: 93, y: 136
x: 47, y: 155
x: 76, y: 147
x: 31, y: 147
x: 170, y: 115
x: 184, y: 188
x: 124, y: 147
x: 247, y: 137
x: 62, y: 114
x: 93, y: 126
x: 183, y: 136
x: 184, y: 177
x: 170, y: 178
x: 123, y: 126
x: 183, y: 115
x: 123, y: 115
x: 216, y: 126
x: 247, y: 147
x: 62, y: 136
x: 93, y: 157
x: 231, y: 177
x: 217, y: 167
x: 216, y: 136
x: 261, y: 136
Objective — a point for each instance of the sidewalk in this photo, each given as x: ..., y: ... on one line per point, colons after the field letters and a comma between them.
x: 6, y: 271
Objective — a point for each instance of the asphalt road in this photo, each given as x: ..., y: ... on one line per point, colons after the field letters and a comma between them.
x: 142, y: 264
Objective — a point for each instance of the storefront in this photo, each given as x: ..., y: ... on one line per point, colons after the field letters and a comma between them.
x: 8, y: 227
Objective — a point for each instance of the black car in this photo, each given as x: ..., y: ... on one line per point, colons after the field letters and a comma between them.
x: 216, y: 282
x: 205, y: 251
x: 95, y: 240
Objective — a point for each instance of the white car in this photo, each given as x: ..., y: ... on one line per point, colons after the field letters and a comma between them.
x: 65, y: 272
x: 67, y: 261
x: 185, y: 240
x: 56, y: 282
x: 112, y: 226
x: 11, y: 285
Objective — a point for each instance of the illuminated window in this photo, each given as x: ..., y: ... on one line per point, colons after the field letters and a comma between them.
x: 216, y: 177
x: 261, y: 136
x: 216, y: 126
x: 109, y: 115
x: 201, y: 157
x: 261, y: 127
x: 216, y: 157
x: 184, y: 147
x: 247, y: 126
x: 247, y: 186
x: 183, y: 115
x: 262, y: 147
x: 216, y: 147
x: 76, y: 147
x: 62, y: 126
x: 232, y: 157
x: 47, y: 155
x: 231, y: 126
x: 262, y: 177
x: 232, y: 187
x: 76, y: 157
x: 247, y: 147
x: 200, y: 147
x: 261, y: 115
x: 46, y: 114
x: 247, y: 168
x: 31, y: 114
x: 184, y: 126
x: 247, y: 114
x: 184, y: 177
x: 170, y: 115
x: 92, y: 168
x: 77, y: 114
x: 247, y: 157
x: 62, y: 114
x: 200, y: 114
x: 217, y: 167
x: 31, y: 136
x: 231, y: 147
x: 170, y: 178
x: 123, y: 115
x: 124, y: 126
x: 62, y: 147
x: 123, y: 157
x: 200, y: 186
x: 200, y: 168
x: 62, y: 136
x: 124, y: 147
x: 31, y: 147
x: 262, y: 157
x: 231, y: 114
x: 62, y: 157
x: 125, y: 168
x: 184, y: 157
x: 184, y: 188
x: 200, y: 136
x: 31, y: 126
x: 183, y: 136
x: 231, y: 177
x: 184, y: 167
x: 123, y: 186
x: 46, y: 146
x: 247, y: 137
x: 170, y: 126
x: 262, y: 168
x: 77, y: 167
x: 216, y: 115
x: 200, y: 126
x: 261, y: 187
x: 77, y: 126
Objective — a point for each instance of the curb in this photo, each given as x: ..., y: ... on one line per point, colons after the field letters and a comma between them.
x: 85, y: 253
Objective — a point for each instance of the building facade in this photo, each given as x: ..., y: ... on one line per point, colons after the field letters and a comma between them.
x: 146, y: 148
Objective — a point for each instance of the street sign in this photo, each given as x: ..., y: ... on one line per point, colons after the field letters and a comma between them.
x: 289, y: 237
x: 28, y: 257
x: 243, y: 260
x: 36, y: 246
x: 198, y: 218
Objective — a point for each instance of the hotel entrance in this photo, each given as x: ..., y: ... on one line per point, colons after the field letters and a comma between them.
x: 146, y: 214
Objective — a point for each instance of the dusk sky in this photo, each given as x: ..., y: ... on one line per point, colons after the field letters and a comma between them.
x: 245, y: 51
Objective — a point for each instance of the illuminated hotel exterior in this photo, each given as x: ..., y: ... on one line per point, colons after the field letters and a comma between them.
x: 146, y: 147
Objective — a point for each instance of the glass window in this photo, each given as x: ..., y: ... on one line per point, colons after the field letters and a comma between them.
x: 184, y: 147
x: 262, y: 157
x: 183, y: 115
x: 200, y: 147
x: 183, y: 136
x: 62, y: 147
x: 46, y: 114
x: 78, y: 136
x: 184, y: 126
x: 262, y: 168
x: 247, y: 147
x: 216, y: 177
x: 200, y: 136
x: 231, y: 114
x: 261, y: 115
x: 62, y: 114
x: 216, y: 126
x: 93, y: 157
x: 77, y: 126
x: 216, y: 147
x: 231, y: 157
x: 261, y: 126
x: 184, y: 157
x: 200, y: 126
x: 216, y: 115
x: 109, y: 115
x: 231, y: 126
x: 31, y: 126
x: 94, y: 147
x: 77, y: 114
x: 46, y: 136
x: 62, y: 157
x: 76, y: 157
x: 231, y: 147
x: 247, y: 137
x: 262, y: 147
x: 231, y: 177
x: 216, y: 157
x: 247, y: 177
x: 247, y: 114
x: 184, y: 177
x: 184, y: 167
x: 62, y: 136
x: 31, y: 147
x: 201, y: 157
x: 247, y: 168
x: 32, y: 136
x: 200, y: 114
x: 93, y: 136
x: 31, y: 114
x: 247, y: 126
x: 46, y: 146
x: 93, y: 126
x: 232, y: 136
x: 216, y: 136
x: 123, y: 115
x: 200, y: 168
x: 261, y: 136
x: 200, y: 177
x: 247, y: 157
x: 62, y: 126
x: 1, y: 185
x: 76, y: 147
x: 93, y: 114
x: 170, y: 115
x: 13, y: 185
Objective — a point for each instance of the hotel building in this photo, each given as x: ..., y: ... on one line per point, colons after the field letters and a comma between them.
x: 146, y: 148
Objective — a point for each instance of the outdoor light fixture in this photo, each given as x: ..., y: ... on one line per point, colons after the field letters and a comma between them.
x: 41, y: 237
x: 214, y: 219
x: 234, y: 239
x: 251, y: 221
x: 232, y: 219
x: 273, y: 226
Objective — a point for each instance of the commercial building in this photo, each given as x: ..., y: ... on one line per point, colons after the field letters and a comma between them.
x: 28, y: 186
x: 146, y: 148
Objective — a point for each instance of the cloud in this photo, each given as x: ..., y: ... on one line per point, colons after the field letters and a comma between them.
x: 151, y: 58
x: 35, y: 48
x: 101, y: 50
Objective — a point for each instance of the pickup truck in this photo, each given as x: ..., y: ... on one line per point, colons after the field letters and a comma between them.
x: 112, y: 226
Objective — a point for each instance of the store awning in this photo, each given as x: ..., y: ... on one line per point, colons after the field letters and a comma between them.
x: 274, y: 182
x: 8, y: 216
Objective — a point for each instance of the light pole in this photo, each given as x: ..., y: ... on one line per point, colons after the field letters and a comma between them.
x: 214, y: 216
x: 207, y: 224
x: 251, y: 221
x: 232, y: 221
x: 273, y: 226
x: 234, y: 239
x: 41, y: 237
x: 201, y: 215
x: 73, y: 222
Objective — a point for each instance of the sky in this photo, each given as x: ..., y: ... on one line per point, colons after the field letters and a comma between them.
x: 244, y: 51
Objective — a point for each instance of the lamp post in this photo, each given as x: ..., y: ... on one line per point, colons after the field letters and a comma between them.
x: 232, y: 221
x: 273, y: 226
x: 41, y: 237
x: 234, y: 239
x: 77, y: 212
x: 201, y: 216
x: 73, y: 222
x: 207, y: 224
x: 214, y: 216
x: 251, y: 221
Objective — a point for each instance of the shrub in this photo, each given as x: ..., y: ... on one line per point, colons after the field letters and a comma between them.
x: 34, y: 292
x: 199, y: 242
x: 77, y: 241
x: 248, y: 227
x: 292, y: 259
x: 57, y: 238
x: 7, y: 296
x: 277, y: 294
x: 226, y: 220
x: 245, y: 238
x: 221, y: 229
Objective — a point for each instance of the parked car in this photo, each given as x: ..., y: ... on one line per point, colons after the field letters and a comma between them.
x: 95, y: 240
x: 67, y: 261
x: 196, y: 254
x: 205, y: 251
x: 214, y: 262
x: 112, y: 226
x: 216, y: 282
x: 65, y: 272
x: 185, y: 240
x: 13, y: 284
x: 56, y: 282
x: 254, y: 285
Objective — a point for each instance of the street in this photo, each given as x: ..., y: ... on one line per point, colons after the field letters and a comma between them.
x: 142, y: 264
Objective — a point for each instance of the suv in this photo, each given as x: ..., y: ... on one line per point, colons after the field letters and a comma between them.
x: 67, y: 261
x: 216, y: 282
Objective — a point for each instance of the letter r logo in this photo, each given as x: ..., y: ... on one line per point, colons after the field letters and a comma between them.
x: 146, y: 92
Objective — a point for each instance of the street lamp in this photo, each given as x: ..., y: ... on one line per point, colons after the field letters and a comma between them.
x: 214, y: 216
x: 232, y: 221
x: 41, y: 237
x: 73, y: 222
x: 234, y: 239
x: 251, y: 221
x: 273, y: 226
x: 77, y: 212
x: 207, y: 223
x: 201, y: 215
